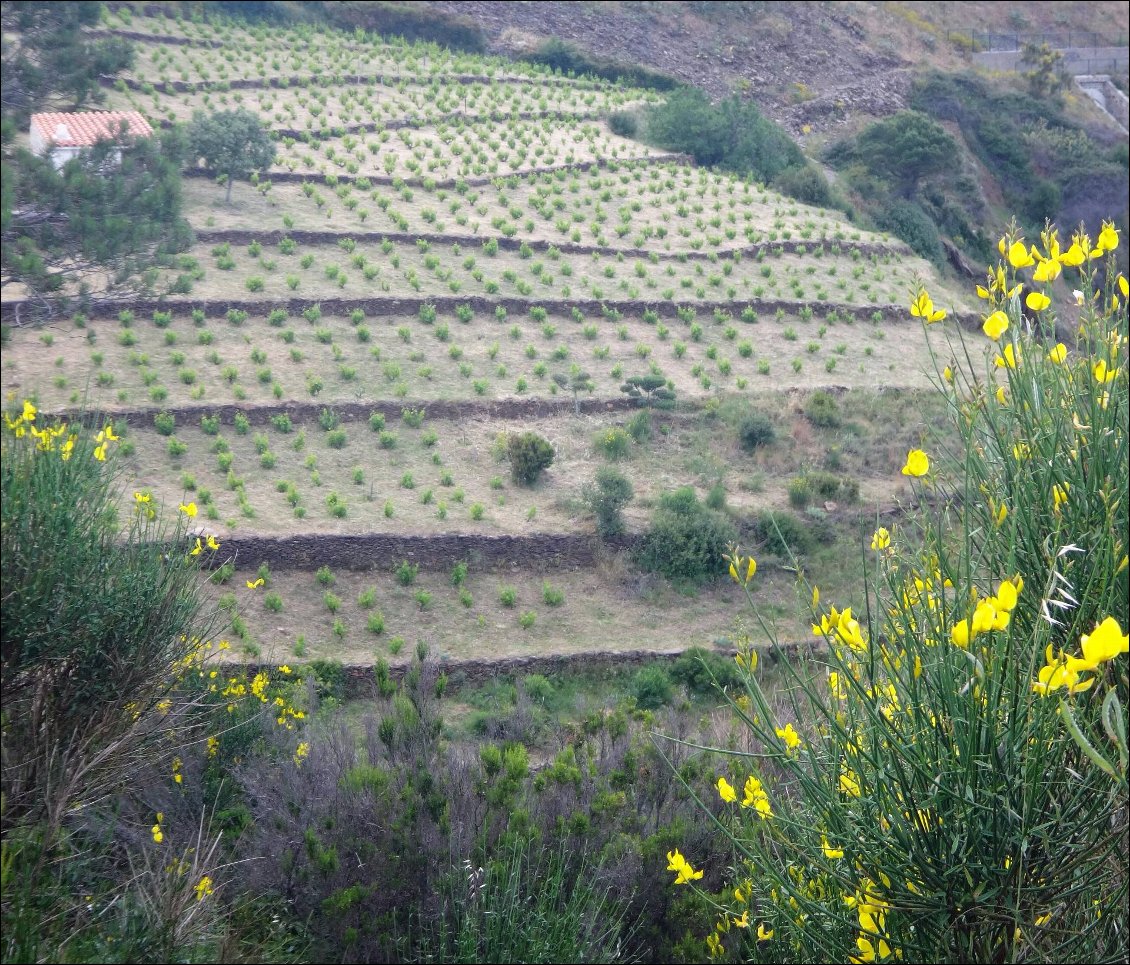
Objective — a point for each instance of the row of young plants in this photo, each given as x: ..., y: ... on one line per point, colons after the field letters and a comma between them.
x: 357, y: 474
x: 411, y: 266
x: 321, y: 108
x: 727, y: 213
x: 183, y: 360
x: 271, y: 53
x: 359, y: 618
x: 468, y: 152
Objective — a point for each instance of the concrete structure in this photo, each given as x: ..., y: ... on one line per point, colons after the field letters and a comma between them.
x: 1100, y: 89
x: 61, y: 136
x: 1076, y: 60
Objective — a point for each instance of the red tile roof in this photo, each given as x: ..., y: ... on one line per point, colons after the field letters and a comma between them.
x: 89, y: 127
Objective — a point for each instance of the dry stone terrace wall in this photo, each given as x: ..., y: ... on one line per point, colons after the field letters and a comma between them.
x: 496, y: 117
x: 307, y: 412
x: 417, y: 122
x: 338, y: 80
x: 385, y: 307
x: 360, y: 682
x: 296, y: 177
x: 537, y: 552
x: 242, y: 236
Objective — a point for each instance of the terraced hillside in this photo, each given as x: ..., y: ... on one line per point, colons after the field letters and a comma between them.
x: 450, y: 249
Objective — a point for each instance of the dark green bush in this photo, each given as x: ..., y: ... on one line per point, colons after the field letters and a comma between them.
x: 652, y: 687
x: 412, y: 23
x: 164, y: 423
x: 907, y: 147
x: 755, y: 431
x: 686, y: 540
x: 623, y: 123
x: 703, y: 671
x: 732, y: 134
x: 530, y: 455
x: 822, y: 410
x: 827, y: 485
x: 561, y: 55
x: 806, y: 183
x: 907, y: 220
x: 782, y: 534
x: 329, y: 678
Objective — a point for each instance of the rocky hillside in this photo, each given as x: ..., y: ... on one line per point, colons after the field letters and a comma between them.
x: 813, y: 67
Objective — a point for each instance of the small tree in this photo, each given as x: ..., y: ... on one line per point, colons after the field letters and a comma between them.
x: 651, y: 390
x: 1046, y: 76
x: 93, y: 219
x: 231, y: 143
x: 907, y: 147
x: 530, y: 454
x: 607, y: 494
x: 578, y: 382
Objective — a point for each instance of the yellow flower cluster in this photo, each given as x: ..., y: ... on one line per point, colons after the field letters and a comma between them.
x: 55, y: 438
x: 841, y: 627
x: 923, y: 307
x: 259, y: 687
x: 753, y: 794
x: 871, y: 909
x: 301, y: 752
x: 742, y: 569
x: 1064, y: 672
x: 684, y: 871
x: 990, y: 613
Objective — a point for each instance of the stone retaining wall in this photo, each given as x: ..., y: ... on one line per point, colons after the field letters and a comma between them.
x: 539, y: 552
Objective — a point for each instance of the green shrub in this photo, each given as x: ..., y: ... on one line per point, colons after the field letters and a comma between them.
x: 822, y: 410
x: 732, y: 134
x: 807, y: 184
x: 623, y: 123
x: 639, y: 426
x: 164, y: 423
x: 908, y: 221
x: 96, y: 618
x: 800, y: 492
x: 406, y: 573
x: 652, y: 687
x: 782, y: 534
x: 607, y: 495
x: 703, y: 671
x: 614, y: 443
x: 529, y: 455
x: 754, y: 431
x: 685, y: 540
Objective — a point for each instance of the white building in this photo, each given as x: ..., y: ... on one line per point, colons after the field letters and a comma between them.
x: 62, y: 136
